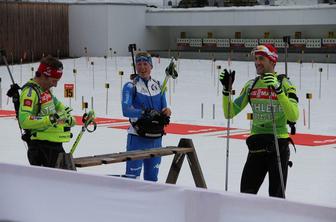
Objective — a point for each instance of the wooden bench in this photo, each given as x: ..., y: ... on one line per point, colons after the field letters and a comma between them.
x: 184, y: 148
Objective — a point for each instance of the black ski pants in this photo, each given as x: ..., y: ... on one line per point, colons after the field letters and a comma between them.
x: 259, y: 164
x: 43, y: 153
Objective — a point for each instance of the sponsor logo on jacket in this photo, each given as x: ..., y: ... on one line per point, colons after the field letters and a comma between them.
x: 262, y: 93
x: 45, y: 97
x: 28, y: 102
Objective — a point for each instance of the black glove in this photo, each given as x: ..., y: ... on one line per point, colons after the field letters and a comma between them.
x: 165, y: 119
x: 13, y: 90
x: 227, y: 78
x: 53, y: 118
x: 151, y: 114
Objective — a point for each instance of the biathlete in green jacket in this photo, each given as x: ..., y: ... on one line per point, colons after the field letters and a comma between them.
x: 44, y: 118
x: 262, y: 157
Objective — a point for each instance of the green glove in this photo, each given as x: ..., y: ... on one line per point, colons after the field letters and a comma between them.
x: 272, y: 81
x: 66, y: 116
x: 53, y: 118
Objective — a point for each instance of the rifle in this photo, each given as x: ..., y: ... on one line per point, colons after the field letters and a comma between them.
x: 131, y: 49
x: 13, y: 92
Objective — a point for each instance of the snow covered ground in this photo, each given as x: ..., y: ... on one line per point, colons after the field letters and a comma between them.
x: 311, y: 179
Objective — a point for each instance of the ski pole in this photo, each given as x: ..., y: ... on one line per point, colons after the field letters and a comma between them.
x: 286, y: 39
x: 170, y: 72
x: 3, y: 55
x: 13, y: 92
x: 228, y: 137
x: 74, y: 146
x: 164, y: 84
x: 276, y: 144
x: 87, y: 119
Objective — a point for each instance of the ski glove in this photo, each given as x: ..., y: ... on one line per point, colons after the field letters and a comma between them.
x: 53, y: 118
x: 154, y: 115
x: 61, y: 116
x: 272, y: 81
x: 150, y: 114
x: 165, y: 120
x: 227, y: 78
x: 66, y: 116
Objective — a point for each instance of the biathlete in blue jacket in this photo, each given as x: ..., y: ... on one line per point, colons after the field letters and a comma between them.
x: 146, y: 107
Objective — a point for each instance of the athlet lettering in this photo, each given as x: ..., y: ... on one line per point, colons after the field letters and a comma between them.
x: 261, y: 107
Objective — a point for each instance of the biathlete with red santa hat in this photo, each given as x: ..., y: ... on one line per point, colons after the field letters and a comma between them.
x: 144, y: 103
x: 44, y: 118
x: 262, y: 157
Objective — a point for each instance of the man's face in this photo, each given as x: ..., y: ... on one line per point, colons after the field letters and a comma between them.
x: 263, y: 64
x: 49, y: 82
x: 143, y: 69
x: 53, y: 81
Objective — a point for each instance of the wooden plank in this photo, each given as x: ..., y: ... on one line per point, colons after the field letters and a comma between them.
x: 23, y: 33
x: 65, y: 38
x: 136, y: 156
x: 27, y: 27
x: 11, y: 27
x: 185, y: 147
x: 109, y: 155
x: 131, y: 155
x: 88, y: 163
x: 141, y: 156
x: 113, y: 160
x: 151, y: 152
x: 3, y: 25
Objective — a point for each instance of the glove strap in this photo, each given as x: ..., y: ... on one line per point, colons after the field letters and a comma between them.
x: 278, y: 90
x: 87, y: 119
x: 53, y: 119
x: 226, y: 92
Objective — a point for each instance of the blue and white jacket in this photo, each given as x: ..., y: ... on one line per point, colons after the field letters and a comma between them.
x: 139, y: 95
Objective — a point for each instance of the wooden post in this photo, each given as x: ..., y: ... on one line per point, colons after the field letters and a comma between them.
x: 0, y: 95
x: 175, y: 168
x: 107, y: 86
x: 217, y: 77
x: 309, y: 96
x: 74, y: 71
x: 195, y: 167
x: 193, y: 163
x: 65, y: 161
x: 20, y: 71
x: 93, y: 75
x: 105, y: 57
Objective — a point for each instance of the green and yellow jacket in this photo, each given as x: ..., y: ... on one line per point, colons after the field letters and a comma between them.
x: 285, y: 106
x: 38, y: 122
